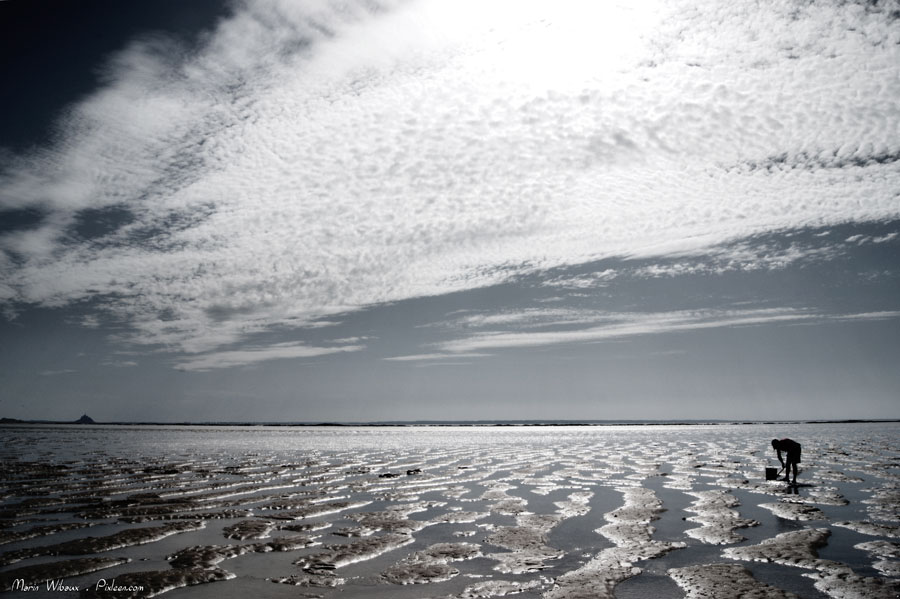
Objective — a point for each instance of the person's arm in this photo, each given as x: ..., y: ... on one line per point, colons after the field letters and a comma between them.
x: 778, y: 452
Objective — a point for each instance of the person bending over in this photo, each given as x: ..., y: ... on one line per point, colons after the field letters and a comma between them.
x: 792, y: 449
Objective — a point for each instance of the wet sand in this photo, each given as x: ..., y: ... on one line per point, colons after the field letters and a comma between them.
x: 560, y: 513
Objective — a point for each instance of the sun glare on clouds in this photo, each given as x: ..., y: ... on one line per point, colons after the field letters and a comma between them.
x: 565, y: 47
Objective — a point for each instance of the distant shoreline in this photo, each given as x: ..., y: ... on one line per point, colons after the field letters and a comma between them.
x: 459, y: 423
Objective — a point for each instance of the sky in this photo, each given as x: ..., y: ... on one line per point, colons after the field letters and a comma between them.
x: 378, y: 210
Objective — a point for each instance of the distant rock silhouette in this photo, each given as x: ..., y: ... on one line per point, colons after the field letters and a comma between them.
x: 85, y: 419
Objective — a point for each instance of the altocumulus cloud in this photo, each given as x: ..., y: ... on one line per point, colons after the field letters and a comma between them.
x: 311, y: 160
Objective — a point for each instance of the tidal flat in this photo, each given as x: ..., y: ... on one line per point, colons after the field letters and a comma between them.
x: 446, y: 512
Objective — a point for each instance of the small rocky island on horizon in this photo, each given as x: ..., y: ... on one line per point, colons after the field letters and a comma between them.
x: 85, y: 419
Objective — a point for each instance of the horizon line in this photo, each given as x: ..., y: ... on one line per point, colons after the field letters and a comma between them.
x: 460, y: 422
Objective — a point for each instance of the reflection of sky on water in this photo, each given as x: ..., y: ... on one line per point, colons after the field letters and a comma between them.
x: 578, y: 477
x: 699, y: 439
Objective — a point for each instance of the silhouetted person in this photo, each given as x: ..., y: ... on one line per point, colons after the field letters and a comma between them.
x: 792, y: 449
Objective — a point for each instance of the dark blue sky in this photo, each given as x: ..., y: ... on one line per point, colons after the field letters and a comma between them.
x: 424, y: 210
x: 55, y: 51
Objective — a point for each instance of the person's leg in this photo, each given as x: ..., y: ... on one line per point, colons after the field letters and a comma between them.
x: 794, y: 464
x: 787, y: 470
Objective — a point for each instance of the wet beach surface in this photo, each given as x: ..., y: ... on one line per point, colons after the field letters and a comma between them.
x: 448, y: 512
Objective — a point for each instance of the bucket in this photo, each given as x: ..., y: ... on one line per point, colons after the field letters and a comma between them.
x: 771, y: 473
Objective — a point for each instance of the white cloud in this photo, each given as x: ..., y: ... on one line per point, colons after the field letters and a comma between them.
x: 121, y: 363
x: 349, y: 340
x: 534, y: 317
x: 434, y: 356
x: 441, y: 364
x: 885, y: 238
x: 90, y: 321
x: 881, y: 315
x: 56, y: 372
x: 585, y: 281
x: 745, y: 256
x: 617, y: 325
x: 860, y: 239
x: 254, y: 355
x: 628, y: 324
x: 312, y: 159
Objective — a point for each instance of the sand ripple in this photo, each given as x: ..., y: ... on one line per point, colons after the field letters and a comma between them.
x: 563, y: 513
